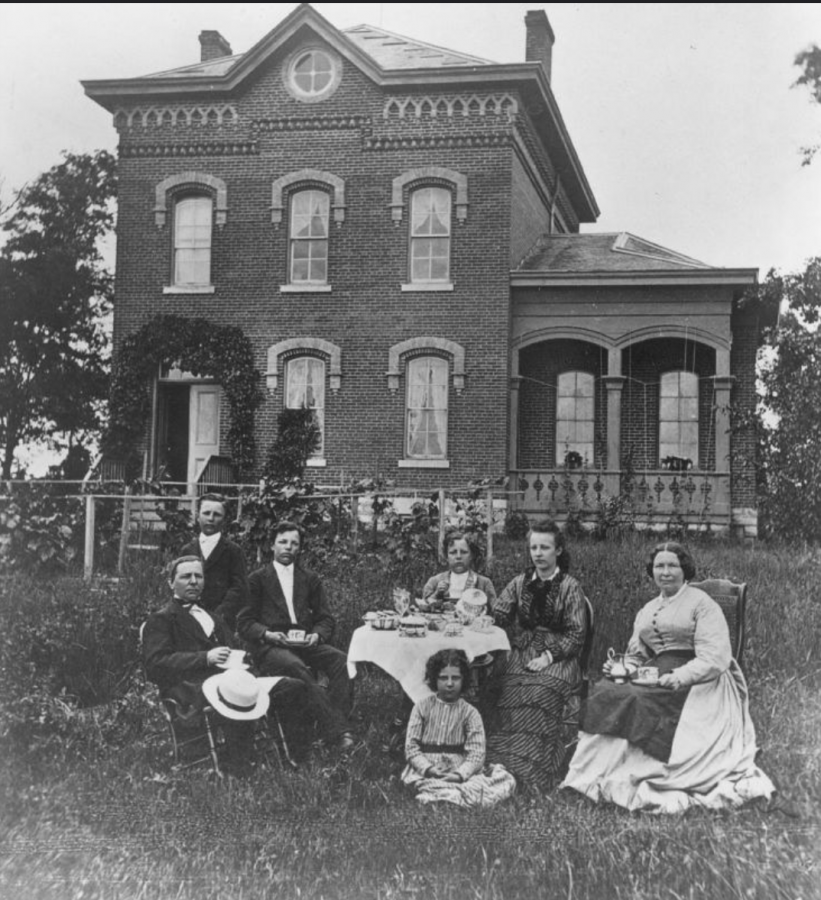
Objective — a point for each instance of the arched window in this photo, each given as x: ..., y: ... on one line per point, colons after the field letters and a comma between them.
x: 678, y: 416
x: 427, y: 408
x: 430, y: 235
x: 193, y: 219
x: 575, y: 418
x: 309, y: 237
x: 305, y: 389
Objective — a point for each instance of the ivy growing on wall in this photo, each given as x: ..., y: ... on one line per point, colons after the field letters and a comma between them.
x: 198, y: 346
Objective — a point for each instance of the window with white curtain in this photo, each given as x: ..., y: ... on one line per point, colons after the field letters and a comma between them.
x: 309, y: 237
x: 430, y: 235
x: 427, y: 408
x: 678, y: 416
x: 305, y: 389
x: 575, y: 416
x: 192, y: 240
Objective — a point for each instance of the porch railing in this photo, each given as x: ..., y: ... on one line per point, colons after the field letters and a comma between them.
x: 651, y: 494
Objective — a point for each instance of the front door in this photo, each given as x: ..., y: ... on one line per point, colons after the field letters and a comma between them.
x: 203, y: 428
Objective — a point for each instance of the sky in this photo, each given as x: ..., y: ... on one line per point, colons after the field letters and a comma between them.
x: 682, y: 113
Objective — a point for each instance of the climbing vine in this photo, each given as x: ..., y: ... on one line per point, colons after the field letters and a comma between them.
x: 198, y: 346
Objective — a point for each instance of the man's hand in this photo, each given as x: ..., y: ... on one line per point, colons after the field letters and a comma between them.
x: 218, y: 656
x: 276, y: 637
x: 312, y: 639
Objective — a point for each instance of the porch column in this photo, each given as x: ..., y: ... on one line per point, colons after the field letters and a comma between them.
x: 615, y: 386
x: 614, y: 382
x: 722, y: 386
x: 513, y: 437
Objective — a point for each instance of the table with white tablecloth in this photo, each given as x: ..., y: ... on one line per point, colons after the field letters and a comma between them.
x: 404, y: 658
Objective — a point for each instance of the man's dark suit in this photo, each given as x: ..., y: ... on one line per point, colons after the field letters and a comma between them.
x: 175, y: 651
x: 267, y: 610
x: 226, y: 578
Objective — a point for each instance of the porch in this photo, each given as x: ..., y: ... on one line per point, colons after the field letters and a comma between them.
x: 651, y: 497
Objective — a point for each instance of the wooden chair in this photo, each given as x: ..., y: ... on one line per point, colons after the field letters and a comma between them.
x: 732, y: 598
x: 573, y: 710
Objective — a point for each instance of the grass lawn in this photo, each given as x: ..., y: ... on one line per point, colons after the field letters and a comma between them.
x: 90, y: 808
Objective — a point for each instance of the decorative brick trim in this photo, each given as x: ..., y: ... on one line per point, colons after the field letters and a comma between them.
x: 429, y: 173
x: 308, y: 176
x: 320, y: 347
x: 464, y: 105
x: 198, y: 179
x: 312, y: 123
x: 416, y: 346
x: 438, y: 142
x: 157, y: 116
x: 246, y: 148
x: 671, y: 330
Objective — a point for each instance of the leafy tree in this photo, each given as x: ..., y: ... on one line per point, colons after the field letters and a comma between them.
x: 54, y: 295
x: 809, y: 61
x: 790, y: 380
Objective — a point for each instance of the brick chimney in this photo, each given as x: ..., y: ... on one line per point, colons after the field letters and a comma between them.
x: 213, y: 45
x: 540, y: 39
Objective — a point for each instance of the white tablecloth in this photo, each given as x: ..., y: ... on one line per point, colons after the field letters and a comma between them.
x: 404, y: 658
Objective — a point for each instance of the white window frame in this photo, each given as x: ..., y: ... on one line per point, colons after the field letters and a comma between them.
x: 419, y: 240
x: 678, y: 415
x: 194, y: 238
x: 414, y: 403
x: 312, y: 241
x: 575, y: 415
x: 296, y: 380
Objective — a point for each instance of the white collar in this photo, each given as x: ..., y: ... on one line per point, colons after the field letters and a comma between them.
x: 549, y: 578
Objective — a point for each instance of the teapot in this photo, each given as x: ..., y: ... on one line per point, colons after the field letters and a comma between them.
x: 618, y: 670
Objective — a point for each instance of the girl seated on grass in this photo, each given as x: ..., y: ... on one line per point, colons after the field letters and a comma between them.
x: 445, y: 743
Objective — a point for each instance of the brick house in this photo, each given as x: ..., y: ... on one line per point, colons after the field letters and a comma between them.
x: 395, y: 227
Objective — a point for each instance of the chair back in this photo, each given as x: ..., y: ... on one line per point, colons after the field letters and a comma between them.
x: 584, y: 656
x: 732, y: 598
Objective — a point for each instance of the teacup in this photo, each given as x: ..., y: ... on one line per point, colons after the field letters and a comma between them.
x: 648, y: 673
x: 296, y: 634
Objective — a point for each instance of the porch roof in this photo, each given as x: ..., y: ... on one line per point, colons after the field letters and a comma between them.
x: 616, y: 257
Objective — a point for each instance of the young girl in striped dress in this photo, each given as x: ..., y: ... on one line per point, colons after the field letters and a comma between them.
x: 445, y: 743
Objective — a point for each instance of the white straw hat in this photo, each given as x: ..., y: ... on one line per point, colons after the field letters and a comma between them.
x: 237, y: 694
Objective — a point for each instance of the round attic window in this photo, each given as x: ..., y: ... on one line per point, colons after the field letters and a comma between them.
x: 312, y: 75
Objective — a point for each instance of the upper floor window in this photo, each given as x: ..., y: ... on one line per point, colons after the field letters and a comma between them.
x: 193, y: 217
x: 575, y: 418
x: 312, y: 74
x: 427, y: 408
x: 678, y: 416
x: 305, y: 389
x: 309, y: 237
x: 430, y: 235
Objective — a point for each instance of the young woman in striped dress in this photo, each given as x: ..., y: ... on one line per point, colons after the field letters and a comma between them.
x: 445, y: 742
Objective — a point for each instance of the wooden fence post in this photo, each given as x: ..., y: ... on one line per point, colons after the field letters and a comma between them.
x: 124, y: 531
x: 490, y: 525
x: 88, y: 559
x: 355, y: 522
x: 442, y: 519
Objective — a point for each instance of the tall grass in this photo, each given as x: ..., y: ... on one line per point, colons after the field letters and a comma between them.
x: 100, y: 814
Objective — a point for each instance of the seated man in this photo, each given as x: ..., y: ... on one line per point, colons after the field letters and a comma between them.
x: 183, y: 645
x: 283, y: 598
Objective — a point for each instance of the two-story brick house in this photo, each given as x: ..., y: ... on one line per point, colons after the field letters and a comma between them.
x: 395, y: 227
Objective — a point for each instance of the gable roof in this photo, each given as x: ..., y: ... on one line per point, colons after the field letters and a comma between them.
x: 389, y: 60
x: 612, y: 255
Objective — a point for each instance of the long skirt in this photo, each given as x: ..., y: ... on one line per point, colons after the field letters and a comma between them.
x: 711, y: 765
x: 525, y: 725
